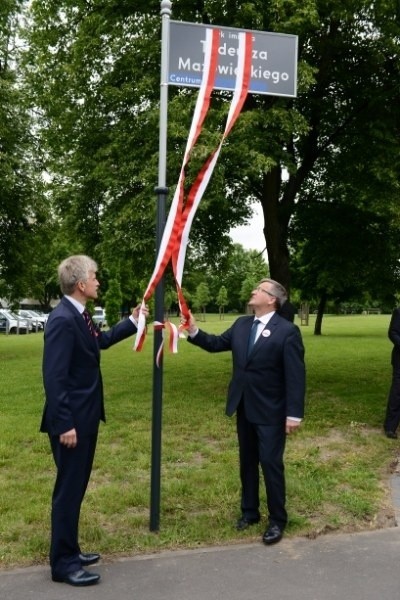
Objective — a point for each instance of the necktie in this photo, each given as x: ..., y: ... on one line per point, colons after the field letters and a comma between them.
x: 252, y: 336
x: 89, y: 322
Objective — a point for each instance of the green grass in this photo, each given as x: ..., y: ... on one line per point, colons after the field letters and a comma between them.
x: 337, y: 466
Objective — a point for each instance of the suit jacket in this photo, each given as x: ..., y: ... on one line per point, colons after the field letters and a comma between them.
x: 271, y: 380
x: 394, y: 336
x: 71, y: 370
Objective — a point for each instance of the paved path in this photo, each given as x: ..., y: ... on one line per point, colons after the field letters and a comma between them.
x: 363, y: 566
x: 358, y: 566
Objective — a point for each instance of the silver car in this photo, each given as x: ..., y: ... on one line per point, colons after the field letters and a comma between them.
x: 12, y: 323
x: 38, y: 321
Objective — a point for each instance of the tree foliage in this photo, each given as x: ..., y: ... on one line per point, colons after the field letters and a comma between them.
x: 201, y: 298
x: 21, y: 208
x: 342, y: 251
x: 222, y: 300
x: 230, y: 269
x: 92, y: 68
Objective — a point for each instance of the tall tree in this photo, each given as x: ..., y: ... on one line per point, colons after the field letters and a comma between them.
x: 21, y: 195
x: 94, y: 69
x: 113, y: 300
x: 230, y: 269
x: 222, y: 301
x: 201, y: 298
x: 342, y: 251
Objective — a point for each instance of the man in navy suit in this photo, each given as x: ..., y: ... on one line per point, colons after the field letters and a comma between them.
x: 73, y: 409
x: 392, y: 417
x: 267, y: 392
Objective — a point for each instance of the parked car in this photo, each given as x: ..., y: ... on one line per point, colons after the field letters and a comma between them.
x: 3, y: 324
x: 42, y: 314
x: 38, y: 321
x: 99, y: 316
x: 12, y: 323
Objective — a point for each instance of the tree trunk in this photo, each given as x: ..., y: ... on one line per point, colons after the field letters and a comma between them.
x: 275, y: 228
x: 320, y: 313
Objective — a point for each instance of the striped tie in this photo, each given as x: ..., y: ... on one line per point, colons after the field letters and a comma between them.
x: 89, y: 322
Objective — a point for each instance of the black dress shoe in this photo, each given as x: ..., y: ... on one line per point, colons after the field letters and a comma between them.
x: 89, y: 558
x: 245, y: 522
x: 78, y: 578
x: 272, y: 535
x: 391, y: 434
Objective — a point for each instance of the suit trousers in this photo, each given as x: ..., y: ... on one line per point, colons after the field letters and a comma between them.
x: 392, y: 418
x: 262, y: 445
x: 74, y: 466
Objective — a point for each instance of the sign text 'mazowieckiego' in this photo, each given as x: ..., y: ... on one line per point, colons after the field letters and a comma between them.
x: 274, y: 59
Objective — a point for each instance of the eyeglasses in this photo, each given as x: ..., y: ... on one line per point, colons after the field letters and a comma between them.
x: 260, y: 289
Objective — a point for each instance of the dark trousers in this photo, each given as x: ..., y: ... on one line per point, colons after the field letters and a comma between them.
x: 262, y: 445
x: 74, y: 466
x: 392, y: 418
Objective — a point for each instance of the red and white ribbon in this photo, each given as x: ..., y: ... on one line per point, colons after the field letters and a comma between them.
x: 176, y: 233
x: 173, y: 338
x: 199, y: 186
x: 172, y: 226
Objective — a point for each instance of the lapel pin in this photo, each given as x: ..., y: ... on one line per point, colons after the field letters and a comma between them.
x: 266, y: 333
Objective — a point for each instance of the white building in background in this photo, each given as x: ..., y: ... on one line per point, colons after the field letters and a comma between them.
x: 27, y: 303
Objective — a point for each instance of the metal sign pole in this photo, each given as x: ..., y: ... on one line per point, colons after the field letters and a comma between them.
x: 161, y: 192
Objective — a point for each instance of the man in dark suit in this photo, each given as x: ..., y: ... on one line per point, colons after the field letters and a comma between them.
x: 267, y: 392
x: 73, y: 409
x: 392, y: 418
